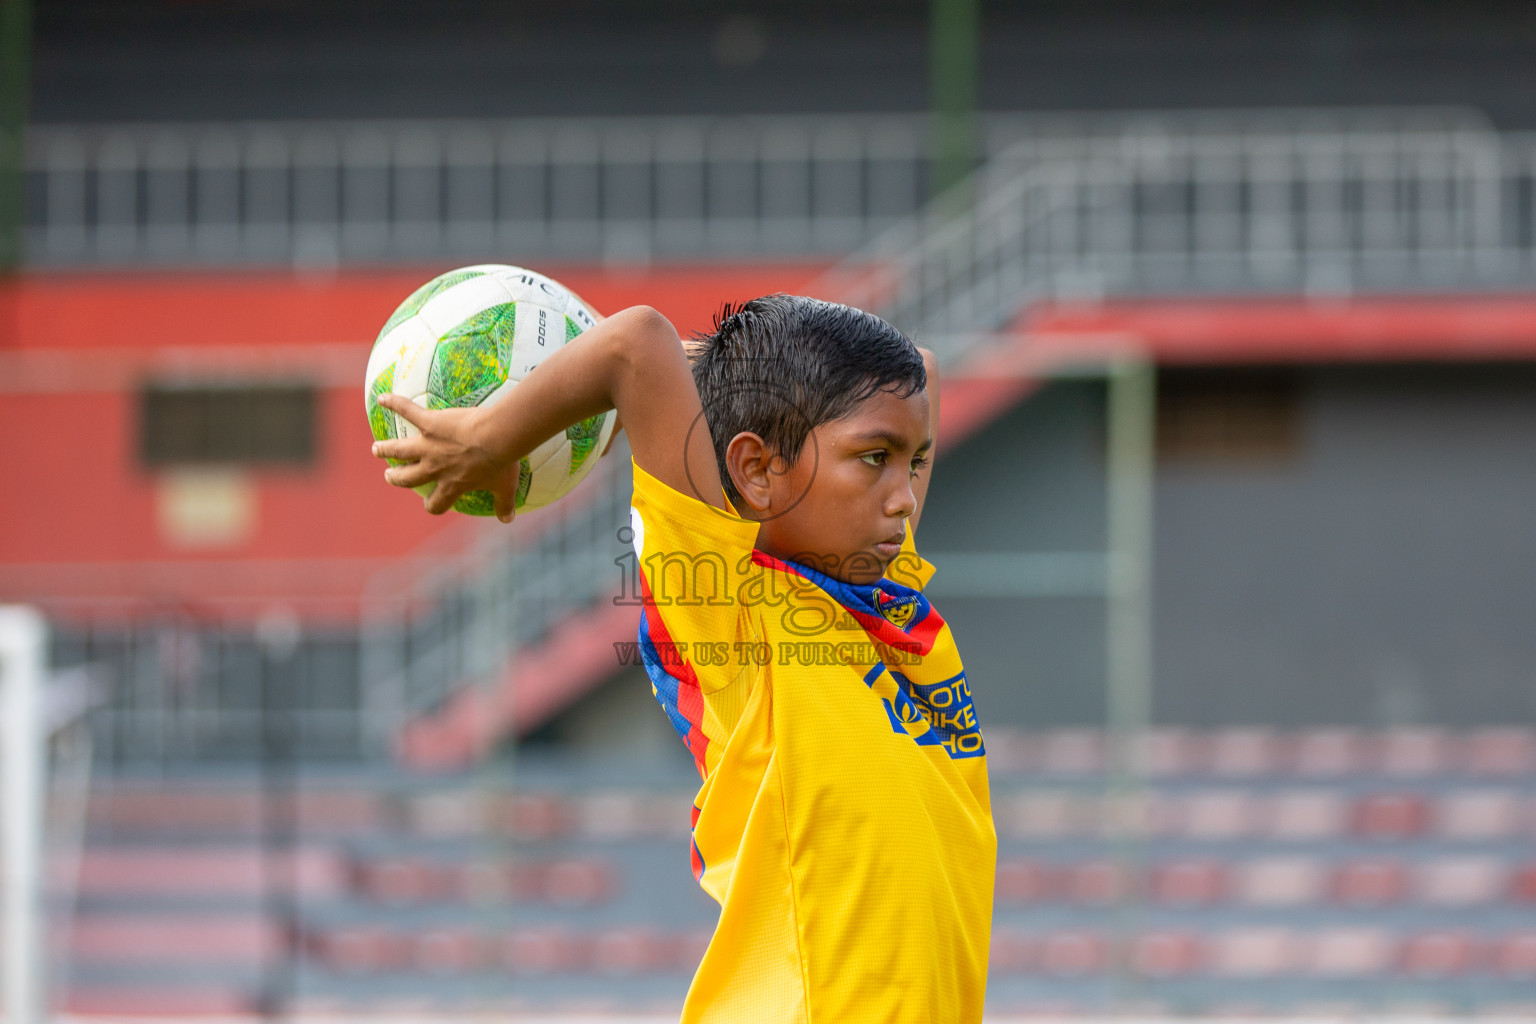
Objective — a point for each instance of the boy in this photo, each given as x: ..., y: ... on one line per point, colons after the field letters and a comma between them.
x: 844, y: 822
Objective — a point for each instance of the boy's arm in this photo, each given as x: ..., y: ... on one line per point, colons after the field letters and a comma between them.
x: 920, y: 482
x: 632, y: 362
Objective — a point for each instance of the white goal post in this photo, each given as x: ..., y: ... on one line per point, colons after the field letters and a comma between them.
x: 23, y: 748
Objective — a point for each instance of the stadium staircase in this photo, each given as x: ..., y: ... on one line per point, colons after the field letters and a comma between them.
x: 1317, y: 871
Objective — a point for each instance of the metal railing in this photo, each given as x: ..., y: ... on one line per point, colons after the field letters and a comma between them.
x: 1311, y: 212
x: 620, y: 189
x: 320, y: 193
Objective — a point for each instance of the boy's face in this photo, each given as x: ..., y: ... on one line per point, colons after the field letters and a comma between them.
x: 842, y: 507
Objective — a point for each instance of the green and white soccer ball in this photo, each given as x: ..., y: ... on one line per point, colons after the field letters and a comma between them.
x: 468, y: 337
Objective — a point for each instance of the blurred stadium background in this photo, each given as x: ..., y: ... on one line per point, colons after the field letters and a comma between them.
x: 1232, y: 514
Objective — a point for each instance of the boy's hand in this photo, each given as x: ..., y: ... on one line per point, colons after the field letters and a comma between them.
x: 447, y: 453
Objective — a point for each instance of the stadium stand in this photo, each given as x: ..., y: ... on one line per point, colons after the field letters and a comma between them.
x: 561, y: 894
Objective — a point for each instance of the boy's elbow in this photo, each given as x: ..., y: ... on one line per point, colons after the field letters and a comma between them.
x: 639, y: 333
x: 648, y: 322
x: 643, y: 341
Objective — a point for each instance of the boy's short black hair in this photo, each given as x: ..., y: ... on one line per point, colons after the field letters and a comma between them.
x: 782, y: 365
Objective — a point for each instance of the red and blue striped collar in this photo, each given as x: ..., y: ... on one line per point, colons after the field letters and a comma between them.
x: 890, y: 612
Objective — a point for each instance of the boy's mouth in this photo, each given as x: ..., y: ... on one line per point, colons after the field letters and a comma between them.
x: 891, y: 546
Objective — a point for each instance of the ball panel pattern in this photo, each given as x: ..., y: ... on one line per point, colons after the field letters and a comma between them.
x: 583, y: 438
x: 524, y: 481
x: 419, y: 297
x: 470, y: 361
x: 540, y: 330
x: 380, y: 420
x: 413, y: 345
x: 546, y: 487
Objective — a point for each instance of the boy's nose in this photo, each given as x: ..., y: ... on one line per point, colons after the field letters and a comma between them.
x: 903, y: 502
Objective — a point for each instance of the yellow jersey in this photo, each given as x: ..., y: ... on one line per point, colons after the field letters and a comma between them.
x: 844, y: 823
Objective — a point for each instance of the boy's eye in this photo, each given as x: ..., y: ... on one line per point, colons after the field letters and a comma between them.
x: 879, y: 458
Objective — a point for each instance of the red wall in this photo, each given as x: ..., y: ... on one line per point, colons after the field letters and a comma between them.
x: 78, y: 526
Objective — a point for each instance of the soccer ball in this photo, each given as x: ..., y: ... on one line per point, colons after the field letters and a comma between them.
x: 466, y: 338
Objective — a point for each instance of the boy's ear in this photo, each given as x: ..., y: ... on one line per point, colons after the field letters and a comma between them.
x: 751, y: 465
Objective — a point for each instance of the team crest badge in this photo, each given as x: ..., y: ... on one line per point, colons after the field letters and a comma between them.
x: 899, y: 614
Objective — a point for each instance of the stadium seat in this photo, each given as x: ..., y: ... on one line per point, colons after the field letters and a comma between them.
x: 1440, y: 954
x: 1516, y: 956
x: 1009, y: 751
x: 1414, y: 753
x: 172, y: 810
x: 209, y: 1002
x: 1024, y: 881
x: 361, y: 950
x: 1304, y: 815
x: 544, y: 951
x: 1461, y: 881
x: 179, y: 872
x: 449, y: 814
x: 1243, y: 753
x: 633, y: 951
x: 1167, y: 954
x: 1048, y: 814
x: 489, y: 882
x: 1327, y: 753
x: 195, y: 808
x: 307, y: 1007
x: 191, y: 939
x: 1522, y: 883
x: 670, y: 814
x: 1391, y: 816
x: 1146, y: 813
x: 448, y: 950
x: 1281, y: 882
x: 1073, y: 753
x: 1369, y: 883
x: 613, y: 815
x: 578, y: 882
x: 1093, y: 883
x: 1218, y: 814
x: 540, y: 816
x: 1255, y: 952
x: 485, y: 882
x: 1506, y: 753
x: 1475, y: 815
x: 341, y: 811
x: 1350, y: 952
x: 1172, y: 753
x: 1013, y: 951
x: 406, y: 880
x: 1189, y: 883
x: 1072, y: 954
x: 690, y: 947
